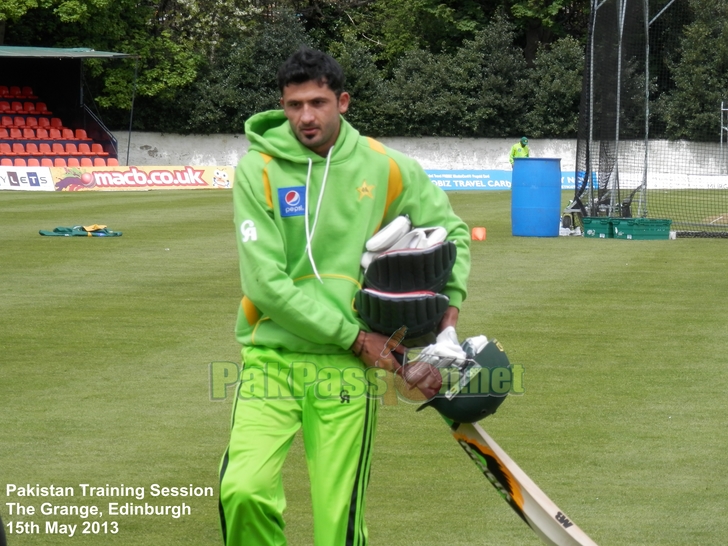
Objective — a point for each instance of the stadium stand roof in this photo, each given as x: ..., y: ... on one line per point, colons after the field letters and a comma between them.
x: 59, y: 53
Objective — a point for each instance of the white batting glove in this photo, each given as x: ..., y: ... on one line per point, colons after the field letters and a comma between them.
x: 399, y: 235
x: 445, y: 351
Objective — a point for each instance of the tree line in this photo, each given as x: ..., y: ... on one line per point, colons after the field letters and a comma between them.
x: 467, y: 68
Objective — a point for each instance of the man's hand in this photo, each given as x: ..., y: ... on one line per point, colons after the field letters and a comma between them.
x: 372, y: 349
x: 423, y: 376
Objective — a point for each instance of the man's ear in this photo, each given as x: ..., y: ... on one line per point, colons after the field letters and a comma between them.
x: 344, y: 102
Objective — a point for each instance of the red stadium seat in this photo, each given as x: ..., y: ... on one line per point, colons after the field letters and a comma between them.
x: 31, y: 121
x: 71, y: 149
x: 67, y: 134
x: 31, y: 148
x: 84, y: 149
x: 58, y: 149
x: 18, y: 148
x: 4, y: 133
x: 81, y: 135
x: 29, y: 107
x: 6, y: 121
x: 16, y: 106
x: 45, y: 149
x: 112, y: 162
x: 16, y: 133
x: 6, y: 162
x: 19, y: 121
x: 41, y: 108
x: 28, y: 92
x: 73, y: 162
x: 5, y: 149
x: 97, y: 149
x: 57, y: 123
x: 59, y: 162
x: 28, y: 134
x: 4, y: 106
x: 54, y: 134
x: 4, y: 91
x: 86, y: 162
x: 99, y: 162
x: 41, y: 133
x: 44, y: 122
x: 45, y: 162
x: 33, y: 162
x: 16, y: 92
x: 19, y: 162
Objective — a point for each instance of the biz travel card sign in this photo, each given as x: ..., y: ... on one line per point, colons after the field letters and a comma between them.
x: 451, y: 180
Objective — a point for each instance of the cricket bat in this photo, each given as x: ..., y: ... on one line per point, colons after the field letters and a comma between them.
x: 525, y: 497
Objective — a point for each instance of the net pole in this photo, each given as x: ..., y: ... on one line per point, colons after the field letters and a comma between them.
x: 642, y: 203
x: 622, y: 4
x: 723, y: 129
x: 590, y: 136
x: 642, y: 206
x: 593, y: 211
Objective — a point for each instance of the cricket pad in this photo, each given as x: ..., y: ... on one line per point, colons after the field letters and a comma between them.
x: 410, y: 269
x: 386, y: 312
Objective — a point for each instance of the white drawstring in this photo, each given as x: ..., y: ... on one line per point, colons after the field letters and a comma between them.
x: 309, y: 233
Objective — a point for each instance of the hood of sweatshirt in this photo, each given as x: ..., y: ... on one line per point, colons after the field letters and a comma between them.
x: 270, y: 133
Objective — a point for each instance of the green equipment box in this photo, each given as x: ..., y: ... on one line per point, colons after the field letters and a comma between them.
x: 641, y: 228
x: 597, y: 228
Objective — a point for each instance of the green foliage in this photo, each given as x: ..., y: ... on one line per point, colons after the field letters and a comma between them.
x: 500, y: 106
x: 365, y: 84
x: 424, y: 95
x: 14, y: 9
x: 399, y: 26
x: 414, y: 67
x: 543, y: 22
x: 555, y: 90
x: 692, y: 109
x: 211, y: 25
x: 242, y: 79
x: 128, y: 26
x: 543, y: 12
x: 476, y: 91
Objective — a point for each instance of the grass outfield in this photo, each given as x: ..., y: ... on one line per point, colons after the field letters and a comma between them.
x: 104, y: 378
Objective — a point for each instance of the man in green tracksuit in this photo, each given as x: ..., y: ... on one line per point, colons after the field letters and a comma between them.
x: 519, y: 149
x: 307, y: 196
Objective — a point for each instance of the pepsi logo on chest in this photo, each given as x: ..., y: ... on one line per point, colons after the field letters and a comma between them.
x: 292, y: 201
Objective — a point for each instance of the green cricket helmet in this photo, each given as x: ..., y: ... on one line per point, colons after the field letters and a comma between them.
x: 474, y: 388
x: 524, y: 141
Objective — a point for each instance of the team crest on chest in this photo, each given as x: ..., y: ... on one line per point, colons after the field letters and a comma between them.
x: 366, y: 190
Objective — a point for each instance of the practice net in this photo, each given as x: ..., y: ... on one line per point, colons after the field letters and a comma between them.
x: 625, y: 165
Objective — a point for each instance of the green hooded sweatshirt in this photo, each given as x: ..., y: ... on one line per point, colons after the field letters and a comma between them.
x: 300, y: 298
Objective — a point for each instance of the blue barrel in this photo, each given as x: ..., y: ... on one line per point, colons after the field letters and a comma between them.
x: 536, y: 197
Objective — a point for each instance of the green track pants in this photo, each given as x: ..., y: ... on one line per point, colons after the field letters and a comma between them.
x: 279, y: 393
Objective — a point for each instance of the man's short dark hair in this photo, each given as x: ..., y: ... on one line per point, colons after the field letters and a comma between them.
x: 308, y: 64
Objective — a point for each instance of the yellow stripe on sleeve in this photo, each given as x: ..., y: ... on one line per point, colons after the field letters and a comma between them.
x: 376, y: 145
x: 251, y: 312
x: 394, y: 184
x: 266, y: 181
